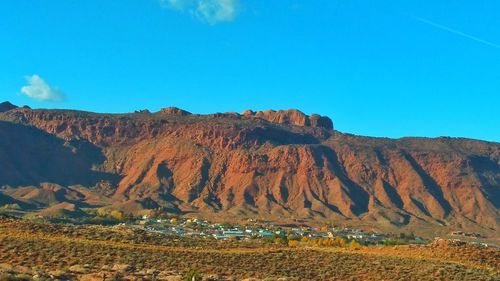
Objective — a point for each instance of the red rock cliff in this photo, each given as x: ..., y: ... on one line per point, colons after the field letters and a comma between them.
x: 276, y: 165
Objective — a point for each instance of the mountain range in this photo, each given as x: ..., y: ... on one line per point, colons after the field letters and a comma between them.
x: 280, y: 166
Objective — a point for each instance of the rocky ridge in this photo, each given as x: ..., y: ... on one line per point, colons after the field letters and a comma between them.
x: 272, y: 165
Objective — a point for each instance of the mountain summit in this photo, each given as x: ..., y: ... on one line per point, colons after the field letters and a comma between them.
x: 6, y: 106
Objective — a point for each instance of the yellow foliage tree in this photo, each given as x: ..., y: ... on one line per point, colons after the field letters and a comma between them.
x: 340, y: 242
x: 102, y: 212
x: 117, y: 215
x: 354, y: 245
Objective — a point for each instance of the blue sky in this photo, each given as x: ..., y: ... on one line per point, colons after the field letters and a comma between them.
x: 379, y: 68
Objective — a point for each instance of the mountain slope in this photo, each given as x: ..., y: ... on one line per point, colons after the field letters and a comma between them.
x: 274, y: 165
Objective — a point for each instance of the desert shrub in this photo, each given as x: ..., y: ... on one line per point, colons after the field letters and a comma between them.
x: 354, y: 245
x: 282, y: 240
x: 293, y: 243
x: 392, y: 243
x: 9, y: 277
x: 192, y: 275
x: 14, y: 206
x: 116, y: 277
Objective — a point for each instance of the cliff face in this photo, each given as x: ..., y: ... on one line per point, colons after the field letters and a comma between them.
x: 275, y: 165
x: 292, y: 117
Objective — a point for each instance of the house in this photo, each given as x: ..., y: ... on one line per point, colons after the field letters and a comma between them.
x: 355, y: 236
x: 233, y: 233
x: 265, y: 234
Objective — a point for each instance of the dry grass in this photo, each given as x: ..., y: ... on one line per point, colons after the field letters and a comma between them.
x: 50, y: 247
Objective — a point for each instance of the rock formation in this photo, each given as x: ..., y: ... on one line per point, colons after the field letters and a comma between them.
x: 272, y: 165
x: 292, y: 117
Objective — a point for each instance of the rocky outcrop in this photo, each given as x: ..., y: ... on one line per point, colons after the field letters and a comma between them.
x: 174, y: 111
x: 292, y: 117
x: 275, y: 165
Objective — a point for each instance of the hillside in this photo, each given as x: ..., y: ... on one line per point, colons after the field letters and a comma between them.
x: 281, y: 166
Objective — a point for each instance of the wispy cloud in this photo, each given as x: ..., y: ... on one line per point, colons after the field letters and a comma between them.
x: 40, y: 90
x: 457, y: 32
x: 210, y: 11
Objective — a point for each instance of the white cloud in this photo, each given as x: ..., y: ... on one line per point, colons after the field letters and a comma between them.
x: 210, y: 11
x: 39, y: 90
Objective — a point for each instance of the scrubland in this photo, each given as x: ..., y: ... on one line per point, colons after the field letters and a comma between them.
x: 45, y: 251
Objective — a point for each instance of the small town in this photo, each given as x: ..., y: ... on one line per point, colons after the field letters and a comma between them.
x: 194, y: 227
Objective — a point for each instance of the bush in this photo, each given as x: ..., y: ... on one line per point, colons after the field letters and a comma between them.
x: 14, y: 206
x: 392, y: 243
x: 354, y: 245
x: 192, y: 275
x: 8, y: 277
x: 283, y: 240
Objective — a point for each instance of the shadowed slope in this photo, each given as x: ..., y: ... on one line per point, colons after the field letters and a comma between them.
x: 30, y: 157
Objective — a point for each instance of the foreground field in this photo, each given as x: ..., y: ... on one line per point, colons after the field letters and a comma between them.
x: 52, y: 251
